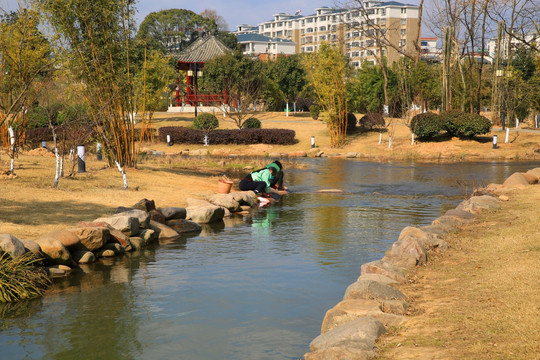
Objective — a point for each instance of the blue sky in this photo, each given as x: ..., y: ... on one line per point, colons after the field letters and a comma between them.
x: 235, y: 12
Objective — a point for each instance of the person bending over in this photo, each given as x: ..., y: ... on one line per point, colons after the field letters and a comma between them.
x: 259, y: 180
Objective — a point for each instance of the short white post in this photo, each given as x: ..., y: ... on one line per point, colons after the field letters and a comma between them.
x: 507, y: 135
x: 517, y: 123
x: 81, y: 159
x: 412, y: 139
x: 380, y: 138
x: 287, y: 110
x: 312, y: 142
x: 494, y: 141
x: 389, y: 142
x: 205, y: 140
x: 169, y: 140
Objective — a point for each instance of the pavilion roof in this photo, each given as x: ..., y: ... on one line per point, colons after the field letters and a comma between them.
x: 202, y: 50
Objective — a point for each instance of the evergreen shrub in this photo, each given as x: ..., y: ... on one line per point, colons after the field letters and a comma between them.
x: 206, y: 122
x: 465, y: 125
x: 252, y: 123
x: 314, y: 111
x: 427, y: 125
x: 372, y: 121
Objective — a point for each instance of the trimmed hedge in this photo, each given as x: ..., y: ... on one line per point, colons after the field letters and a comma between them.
x: 206, y: 121
x: 371, y: 121
x: 83, y: 133
x: 252, y: 123
x: 427, y: 125
x: 465, y: 125
x: 183, y: 135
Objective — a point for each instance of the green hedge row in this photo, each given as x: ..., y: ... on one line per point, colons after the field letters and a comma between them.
x: 184, y: 135
x: 454, y: 123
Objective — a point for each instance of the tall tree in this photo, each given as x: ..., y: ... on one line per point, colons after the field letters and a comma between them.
x: 173, y: 30
x: 241, y: 81
x: 290, y: 77
x: 96, y: 40
x: 326, y: 70
x: 25, y: 64
x: 218, y: 19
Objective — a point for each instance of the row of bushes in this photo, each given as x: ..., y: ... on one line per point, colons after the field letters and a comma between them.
x: 207, y: 122
x: 82, y: 134
x: 454, y: 123
x: 184, y: 135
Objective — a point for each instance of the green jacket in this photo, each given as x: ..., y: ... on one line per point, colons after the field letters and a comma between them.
x: 263, y: 175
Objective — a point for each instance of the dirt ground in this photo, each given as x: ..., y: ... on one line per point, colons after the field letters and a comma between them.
x: 480, y: 299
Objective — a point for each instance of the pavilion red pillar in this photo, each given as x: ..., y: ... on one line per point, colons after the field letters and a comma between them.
x: 188, y: 88
x: 177, y: 95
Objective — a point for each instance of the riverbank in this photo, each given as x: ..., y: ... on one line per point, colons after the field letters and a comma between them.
x: 480, y: 298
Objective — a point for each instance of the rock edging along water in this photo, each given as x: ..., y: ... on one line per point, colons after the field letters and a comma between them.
x: 373, y: 303
x: 129, y: 229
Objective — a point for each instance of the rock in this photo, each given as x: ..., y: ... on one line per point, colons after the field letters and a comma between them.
x: 515, y: 181
x: 126, y: 224
x: 351, y: 155
x: 173, y: 213
x: 116, y: 236
x: 409, y: 246
x: 91, y: 238
x: 11, y: 245
x: 504, y: 198
x: 245, y: 198
x: 31, y: 245
x: 320, y: 154
x: 460, y: 214
x: 535, y: 172
x: 450, y: 223
x: 55, y: 272
x: 137, y: 243
x: 148, y: 235
x: 383, y: 268
x: 427, y: 241
x: 109, y: 250
x: 184, y: 226
x: 68, y: 238
x: 353, y: 309
x: 83, y: 257
x: 145, y: 205
x: 296, y: 154
x: 313, y: 151
x: 122, y: 209
x: 340, y: 353
x: 163, y: 231
x: 55, y: 252
x: 379, y: 278
x: 372, y: 290
x: 477, y: 204
x: 330, y: 191
x: 360, y: 334
x: 398, y: 307
x: 226, y: 201
x: 205, y: 214
x: 156, y: 215
x: 141, y: 215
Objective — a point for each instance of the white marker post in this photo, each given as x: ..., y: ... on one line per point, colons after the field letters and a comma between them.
x: 312, y: 142
x: 507, y: 135
x: 380, y: 138
x: 412, y: 139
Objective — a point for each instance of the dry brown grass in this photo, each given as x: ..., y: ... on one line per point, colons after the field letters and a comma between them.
x: 521, y: 146
x: 479, y: 300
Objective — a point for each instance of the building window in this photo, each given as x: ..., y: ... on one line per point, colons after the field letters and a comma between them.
x: 322, y: 28
x: 355, y: 54
x: 303, y: 31
x: 322, y: 18
x: 309, y: 30
x: 310, y: 20
x: 267, y: 26
x: 423, y: 43
x: 333, y: 27
x: 403, y: 10
x: 309, y: 49
x: 403, y: 21
x: 402, y: 42
x: 403, y: 32
x: 355, y: 44
x: 355, y: 64
x: 322, y: 37
x: 355, y: 34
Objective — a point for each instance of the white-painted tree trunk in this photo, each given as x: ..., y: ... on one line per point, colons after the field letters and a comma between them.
x: 412, y: 139
x: 12, y: 142
x: 57, y: 174
x: 124, y: 176
x: 389, y: 142
x: 287, y: 110
x: 380, y: 138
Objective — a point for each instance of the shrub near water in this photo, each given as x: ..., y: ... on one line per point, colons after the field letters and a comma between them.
x: 372, y: 121
x: 465, y: 125
x: 20, y: 279
x: 427, y: 125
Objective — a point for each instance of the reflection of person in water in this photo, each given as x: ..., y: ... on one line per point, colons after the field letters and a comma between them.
x: 261, y: 226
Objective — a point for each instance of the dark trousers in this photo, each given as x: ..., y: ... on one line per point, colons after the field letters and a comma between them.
x: 246, y: 184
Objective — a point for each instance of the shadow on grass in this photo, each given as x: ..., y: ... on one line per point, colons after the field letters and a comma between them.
x: 39, y: 212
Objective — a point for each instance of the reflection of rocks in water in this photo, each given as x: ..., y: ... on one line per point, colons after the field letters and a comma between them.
x: 234, y: 220
x: 19, y: 309
x: 212, y: 229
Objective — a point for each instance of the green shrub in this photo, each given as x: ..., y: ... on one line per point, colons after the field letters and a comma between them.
x: 465, y: 125
x: 372, y: 120
x: 183, y: 135
x: 351, y: 122
x: 206, y: 122
x: 252, y: 123
x: 427, y: 125
x: 314, y: 111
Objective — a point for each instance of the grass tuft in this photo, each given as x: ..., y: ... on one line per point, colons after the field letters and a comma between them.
x: 20, y: 279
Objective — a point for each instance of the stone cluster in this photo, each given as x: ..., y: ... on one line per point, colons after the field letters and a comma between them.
x: 129, y: 229
x: 374, y: 302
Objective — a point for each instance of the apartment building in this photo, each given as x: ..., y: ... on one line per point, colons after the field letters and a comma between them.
x: 264, y: 47
x: 355, y: 31
x: 514, y: 44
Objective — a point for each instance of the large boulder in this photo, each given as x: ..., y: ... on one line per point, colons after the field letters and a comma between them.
x: 248, y: 198
x: 145, y: 205
x: 372, y: 290
x: 11, y: 245
x: 426, y: 240
x: 340, y: 353
x: 55, y: 252
x: 83, y: 256
x: 173, y: 213
x: 141, y: 215
x: 203, y: 212
x: 91, y: 238
x: 184, y: 226
x: 68, y: 238
x: 449, y: 223
x: 226, y: 201
x: 360, y: 334
x: 149, y: 235
x: 353, y: 309
x: 386, y: 269
x: 32, y: 246
x: 477, y: 204
x: 126, y: 224
x: 163, y: 231
x: 409, y: 246
x: 535, y: 172
x: 516, y: 180
x: 156, y: 215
